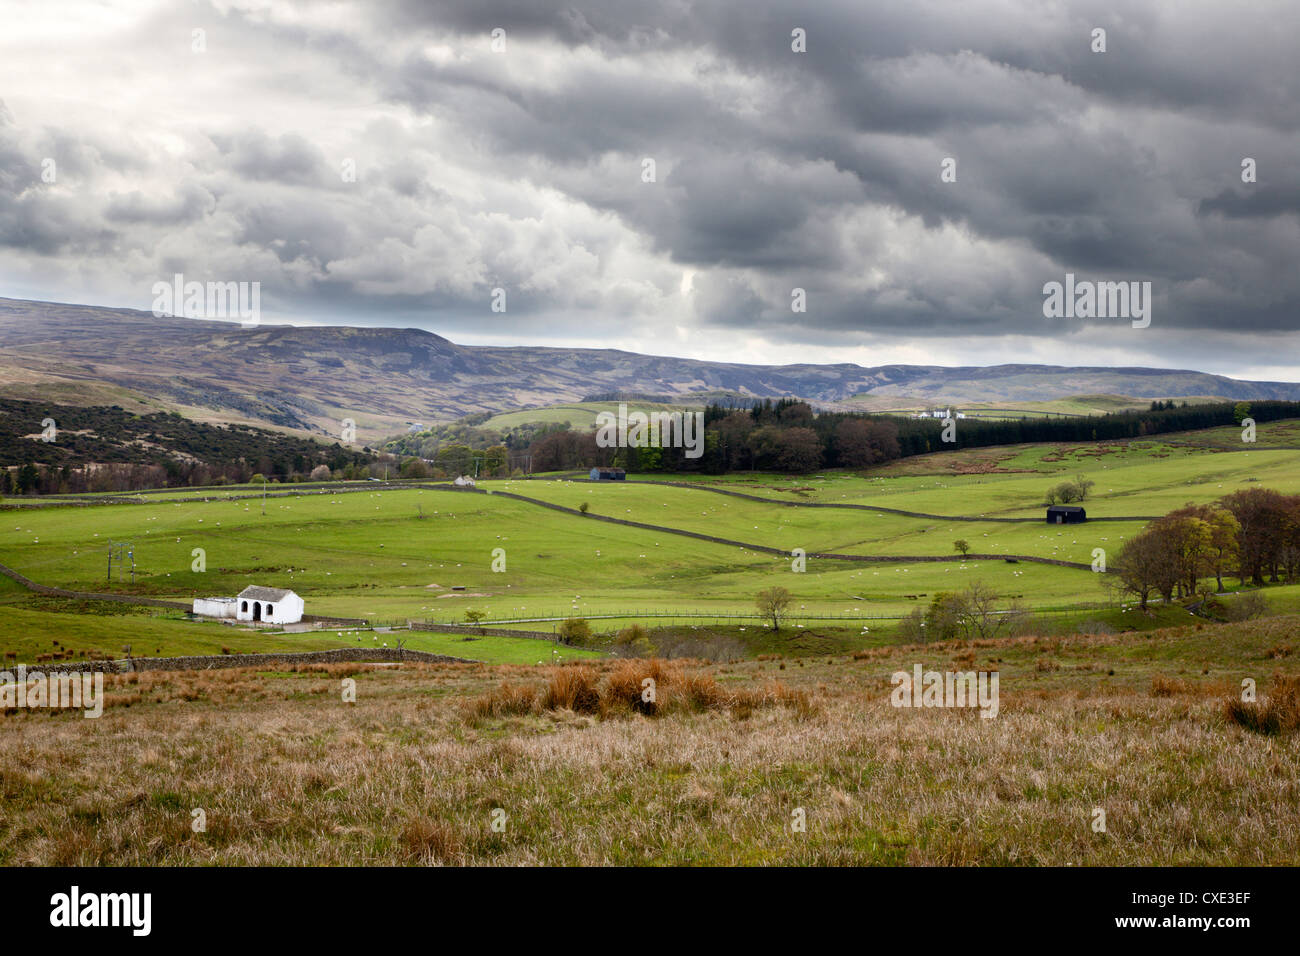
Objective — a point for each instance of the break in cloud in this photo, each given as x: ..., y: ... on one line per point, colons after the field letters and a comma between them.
x: 522, y: 169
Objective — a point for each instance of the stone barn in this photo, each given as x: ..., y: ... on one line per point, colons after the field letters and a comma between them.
x: 608, y: 474
x: 273, y: 605
x: 1066, y: 514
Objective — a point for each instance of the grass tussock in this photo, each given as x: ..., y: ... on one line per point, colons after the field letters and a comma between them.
x: 1277, y: 713
x: 634, y: 686
x: 290, y: 773
x: 572, y: 688
x: 507, y: 700
x: 657, y: 688
x: 1162, y: 686
x: 430, y: 841
x: 650, y: 687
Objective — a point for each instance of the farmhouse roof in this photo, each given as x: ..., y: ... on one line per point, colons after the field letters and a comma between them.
x: 264, y: 594
x: 1066, y: 508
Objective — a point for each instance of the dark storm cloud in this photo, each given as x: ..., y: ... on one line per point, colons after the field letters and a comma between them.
x: 775, y: 170
x: 1263, y: 202
x: 32, y: 216
x: 1047, y: 134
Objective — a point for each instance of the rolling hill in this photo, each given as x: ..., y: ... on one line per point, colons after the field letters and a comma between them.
x: 312, y: 378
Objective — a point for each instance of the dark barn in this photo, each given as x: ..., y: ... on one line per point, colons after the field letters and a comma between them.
x: 608, y: 474
x: 1066, y: 514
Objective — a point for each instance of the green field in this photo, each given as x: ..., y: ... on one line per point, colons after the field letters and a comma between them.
x: 389, y: 554
x: 1101, y: 705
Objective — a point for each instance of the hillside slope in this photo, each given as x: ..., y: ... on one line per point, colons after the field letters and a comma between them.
x: 314, y: 377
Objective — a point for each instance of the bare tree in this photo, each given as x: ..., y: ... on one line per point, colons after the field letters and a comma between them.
x: 1142, y: 567
x: 772, y: 603
x: 978, y: 614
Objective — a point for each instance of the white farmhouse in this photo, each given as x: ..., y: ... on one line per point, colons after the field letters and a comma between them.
x: 274, y: 605
x: 464, y: 481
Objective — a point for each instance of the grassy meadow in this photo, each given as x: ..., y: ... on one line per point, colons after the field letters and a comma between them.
x: 429, y: 757
x: 388, y: 553
x: 553, y: 744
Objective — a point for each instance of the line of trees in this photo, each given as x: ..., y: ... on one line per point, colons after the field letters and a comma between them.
x: 1252, y: 534
x: 96, y: 478
x: 789, y: 436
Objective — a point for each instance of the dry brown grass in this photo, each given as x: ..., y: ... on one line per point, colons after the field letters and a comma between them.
x: 1277, y: 713
x: 288, y: 773
x: 652, y: 687
x: 507, y: 700
x: 1162, y: 686
x: 626, y: 689
x: 572, y: 687
x: 430, y: 841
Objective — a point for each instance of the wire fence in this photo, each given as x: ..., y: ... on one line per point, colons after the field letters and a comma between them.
x: 557, y: 616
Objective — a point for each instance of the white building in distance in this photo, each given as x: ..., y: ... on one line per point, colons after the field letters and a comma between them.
x: 273, y: 605
x: 215, y: 607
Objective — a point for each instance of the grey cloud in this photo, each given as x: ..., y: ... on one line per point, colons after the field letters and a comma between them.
x: 287, y: 158
x: 775, y: 169
x: 189, y: 202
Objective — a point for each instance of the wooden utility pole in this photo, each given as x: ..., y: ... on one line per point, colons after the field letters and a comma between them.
x: 120, y: 551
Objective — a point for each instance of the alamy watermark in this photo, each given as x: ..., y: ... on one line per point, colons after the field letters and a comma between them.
x: 1098, y: 300
x: 68, y: 689
x: 651, y: 430
x: 208, y: 300
x: 75, y: 908
x: 950, y: 689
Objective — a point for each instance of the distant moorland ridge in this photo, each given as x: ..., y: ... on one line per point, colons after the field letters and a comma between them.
x: 311, y: 378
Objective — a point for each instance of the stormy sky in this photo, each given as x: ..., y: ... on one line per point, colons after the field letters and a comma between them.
x: 138, y: 140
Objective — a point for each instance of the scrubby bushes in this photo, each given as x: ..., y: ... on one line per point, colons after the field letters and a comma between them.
x: 632, y: 641
x: 1249, y: 606
x: 575, y: 630
x: 911, y: 629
